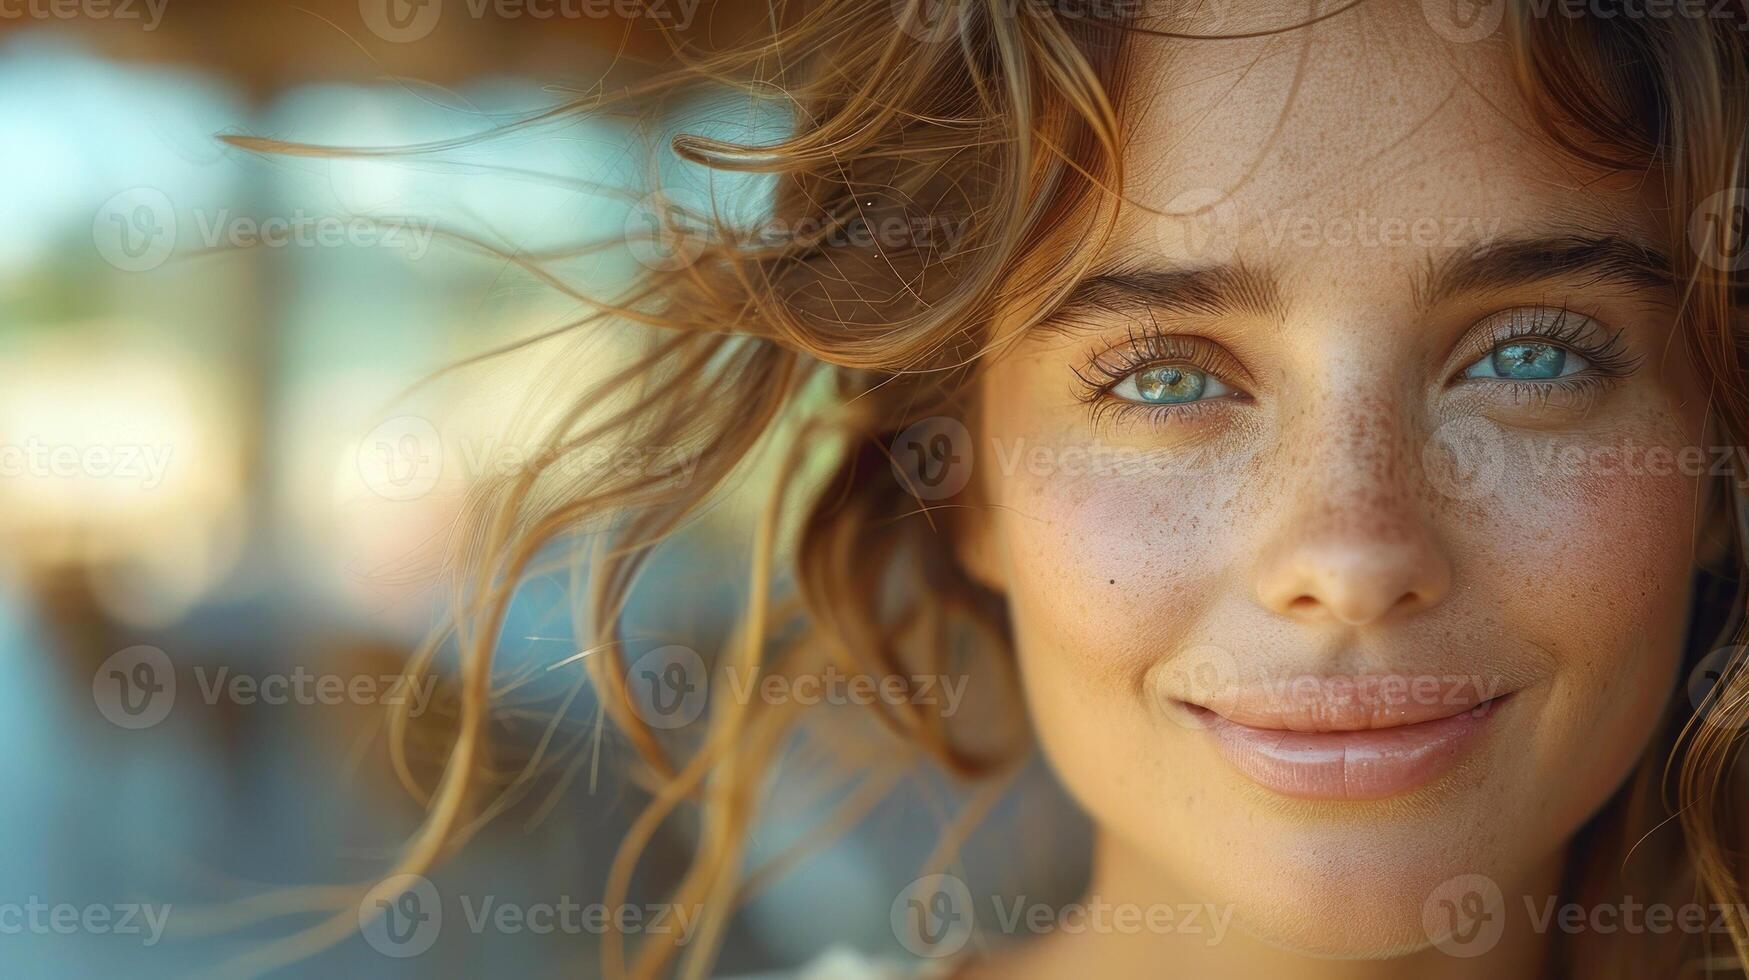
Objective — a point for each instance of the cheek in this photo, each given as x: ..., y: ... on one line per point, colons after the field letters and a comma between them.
x: 1108, y: 569
x: 1592, y: 561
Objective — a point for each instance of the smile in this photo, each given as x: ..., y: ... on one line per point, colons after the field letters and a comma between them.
x: 1353, y: 760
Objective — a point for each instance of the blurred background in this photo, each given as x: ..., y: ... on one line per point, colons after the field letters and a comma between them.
x: 221, y: 504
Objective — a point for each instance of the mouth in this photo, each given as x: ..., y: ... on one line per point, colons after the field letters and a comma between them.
x: 1357, y: 760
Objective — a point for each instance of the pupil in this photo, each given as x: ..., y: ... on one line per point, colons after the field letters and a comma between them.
x: 1534, y: 361
x: 1170, y: 384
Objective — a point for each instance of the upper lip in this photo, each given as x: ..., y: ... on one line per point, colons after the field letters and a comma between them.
x: 1348, y: 703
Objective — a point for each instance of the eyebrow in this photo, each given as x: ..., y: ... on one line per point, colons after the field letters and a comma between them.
x: 1486, y: 267
x: 1590, y: 260
x: 1189, y: 291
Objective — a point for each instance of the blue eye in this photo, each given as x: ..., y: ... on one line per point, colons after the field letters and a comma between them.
x: 1170, y: 384
x: 1528, y: 360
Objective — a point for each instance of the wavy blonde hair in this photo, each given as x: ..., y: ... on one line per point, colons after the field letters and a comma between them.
x: 997, y: 118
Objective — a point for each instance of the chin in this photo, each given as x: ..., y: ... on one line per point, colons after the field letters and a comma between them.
x: 1377, y: 931
x: 1358, y: 890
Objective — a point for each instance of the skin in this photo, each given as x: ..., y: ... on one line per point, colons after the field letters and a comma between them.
x: 1307, y: 528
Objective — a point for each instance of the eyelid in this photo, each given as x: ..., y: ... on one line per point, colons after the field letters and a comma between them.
x: 1559, y: 326
x: 1147, y: 346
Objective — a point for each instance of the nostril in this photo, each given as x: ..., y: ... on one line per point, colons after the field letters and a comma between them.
x: 1304, y: 603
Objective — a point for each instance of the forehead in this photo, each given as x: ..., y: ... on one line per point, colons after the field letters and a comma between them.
x: 1369, y: 130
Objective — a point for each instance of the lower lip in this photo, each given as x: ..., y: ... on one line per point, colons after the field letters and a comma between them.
x: 1354, y: 765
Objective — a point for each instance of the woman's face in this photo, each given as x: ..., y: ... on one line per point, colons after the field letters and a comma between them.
x: 1381, y: 421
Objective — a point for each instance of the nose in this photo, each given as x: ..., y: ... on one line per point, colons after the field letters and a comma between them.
x: 1339, y: 577
x: 1351, y: 543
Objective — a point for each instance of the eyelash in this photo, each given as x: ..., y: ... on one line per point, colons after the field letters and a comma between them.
x: 1608, y: 358
x: 1149, y: 345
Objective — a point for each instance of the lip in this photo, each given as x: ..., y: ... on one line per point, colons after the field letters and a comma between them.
x: 1361, y: 762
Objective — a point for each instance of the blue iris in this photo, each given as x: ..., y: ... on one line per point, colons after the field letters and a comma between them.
x: 1170, y: 384
x: 1529, y: 362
